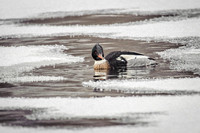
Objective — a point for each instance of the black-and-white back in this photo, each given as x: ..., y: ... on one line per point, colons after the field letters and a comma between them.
x: 118, y: 59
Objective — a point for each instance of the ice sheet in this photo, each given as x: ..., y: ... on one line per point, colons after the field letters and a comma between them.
x: 26, y: 54
x: 147, y: 85
x: 33, y: 79
x: 185, y: 58
x: 181, y: 111
x: 16, y: 60
x: 106, y: 107
x: 169, y: 29
x: 114, y: 129
x: 29, y: 8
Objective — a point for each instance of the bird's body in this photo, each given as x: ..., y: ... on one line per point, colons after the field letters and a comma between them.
x: 103, y: 64
x: 119, y: 59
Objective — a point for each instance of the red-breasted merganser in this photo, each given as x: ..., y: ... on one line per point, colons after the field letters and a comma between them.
x: 119, y: 59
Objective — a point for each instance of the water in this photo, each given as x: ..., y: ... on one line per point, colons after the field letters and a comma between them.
x: 47, y: 81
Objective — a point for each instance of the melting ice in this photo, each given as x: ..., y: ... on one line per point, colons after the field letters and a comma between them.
x: 16, y: 60
x: 148, y: 85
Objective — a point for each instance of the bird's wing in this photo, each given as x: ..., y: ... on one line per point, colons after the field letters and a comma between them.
x: 113, y: 55
x: 116, y: 54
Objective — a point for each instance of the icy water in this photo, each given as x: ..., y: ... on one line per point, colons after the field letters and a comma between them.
x: 47, y: 81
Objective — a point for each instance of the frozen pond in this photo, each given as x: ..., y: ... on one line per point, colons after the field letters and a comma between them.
x: 47, y: 81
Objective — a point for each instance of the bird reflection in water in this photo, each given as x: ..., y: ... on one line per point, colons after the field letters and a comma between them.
x: 128, y: 73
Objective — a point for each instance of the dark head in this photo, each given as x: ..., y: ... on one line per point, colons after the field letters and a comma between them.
x: 97, y: 52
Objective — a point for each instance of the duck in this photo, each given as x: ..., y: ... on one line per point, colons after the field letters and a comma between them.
x: 119, y: 59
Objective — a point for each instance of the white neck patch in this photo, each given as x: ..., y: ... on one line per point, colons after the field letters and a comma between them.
x: 100, y: 62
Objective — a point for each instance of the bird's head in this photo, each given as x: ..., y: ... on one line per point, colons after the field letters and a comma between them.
x: 97, y: 52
